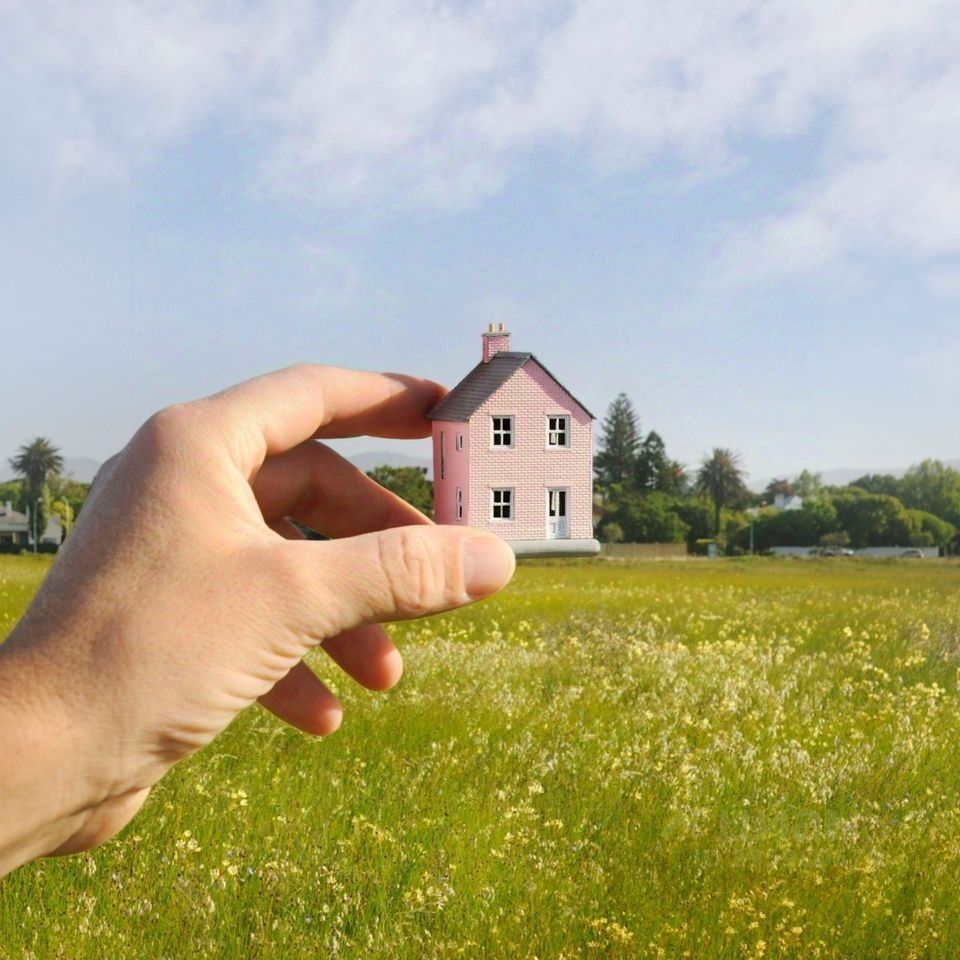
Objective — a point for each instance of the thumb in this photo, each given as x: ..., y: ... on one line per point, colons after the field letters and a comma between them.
x: 394, y: 574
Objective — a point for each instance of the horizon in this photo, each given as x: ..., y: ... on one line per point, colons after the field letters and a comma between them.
x: 706, y: 209
x: 82, y: 468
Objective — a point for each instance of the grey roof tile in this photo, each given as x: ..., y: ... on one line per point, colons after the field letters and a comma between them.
x: 483, y: 381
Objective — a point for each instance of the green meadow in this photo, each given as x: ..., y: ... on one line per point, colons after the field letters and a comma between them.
x: 736, y: 759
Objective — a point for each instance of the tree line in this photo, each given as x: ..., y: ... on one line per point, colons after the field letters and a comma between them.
x: 645, y: 496
x: 919, y: 509
x: 40, y: 490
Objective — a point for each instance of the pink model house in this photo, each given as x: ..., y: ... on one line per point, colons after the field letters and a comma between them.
x: 513, y: 454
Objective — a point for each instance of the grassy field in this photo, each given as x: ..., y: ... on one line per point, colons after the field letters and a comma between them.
x: 732, y: 759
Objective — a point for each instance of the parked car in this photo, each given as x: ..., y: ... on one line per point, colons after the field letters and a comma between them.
x: 914, y: 553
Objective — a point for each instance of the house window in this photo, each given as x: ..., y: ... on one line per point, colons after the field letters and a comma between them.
x: 558, y: 431
x: 443, y: 459
x: 459, y: 504
x: 502, y: 431
x: 459, y: 441
x: 503, y: 504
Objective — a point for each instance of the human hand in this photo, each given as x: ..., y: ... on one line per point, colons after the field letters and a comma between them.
x: 185, y: 593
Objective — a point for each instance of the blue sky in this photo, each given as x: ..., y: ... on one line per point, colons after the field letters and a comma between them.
x: 745, y: 215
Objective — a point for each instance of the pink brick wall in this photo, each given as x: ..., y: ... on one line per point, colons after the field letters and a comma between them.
x: 453, y: 473
x: 530, y: 467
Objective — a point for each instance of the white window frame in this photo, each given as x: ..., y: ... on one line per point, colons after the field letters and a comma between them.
x: 443, y: 458
x: 564, y: 429
x: 459, y: 503
x: 509, y: 502
x: 459, y: 441
x: 501, y: 431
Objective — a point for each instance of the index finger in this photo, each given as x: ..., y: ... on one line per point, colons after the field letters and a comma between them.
x: 278, y: 411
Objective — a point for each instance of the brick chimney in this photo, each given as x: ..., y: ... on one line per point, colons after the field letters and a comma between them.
x: 495, y: 341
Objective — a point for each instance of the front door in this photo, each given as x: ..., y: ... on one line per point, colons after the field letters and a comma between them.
x: 558, y: 525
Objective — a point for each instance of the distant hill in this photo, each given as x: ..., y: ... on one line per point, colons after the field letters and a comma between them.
x: 82, y: 469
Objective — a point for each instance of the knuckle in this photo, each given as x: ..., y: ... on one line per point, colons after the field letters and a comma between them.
x: 413, y: 570
x: 307, y: 603
x: 312, y: 374
x: 166, y: 429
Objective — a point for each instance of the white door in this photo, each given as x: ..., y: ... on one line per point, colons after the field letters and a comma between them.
x: 558, y: 525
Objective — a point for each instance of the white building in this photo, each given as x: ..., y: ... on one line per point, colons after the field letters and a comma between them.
x: 14, y: 526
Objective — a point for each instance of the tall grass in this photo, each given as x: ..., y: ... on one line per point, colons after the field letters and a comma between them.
x: 730, y: 759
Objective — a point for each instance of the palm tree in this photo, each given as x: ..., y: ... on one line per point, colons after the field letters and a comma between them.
x: 35, y: 461
x: 720, y: 477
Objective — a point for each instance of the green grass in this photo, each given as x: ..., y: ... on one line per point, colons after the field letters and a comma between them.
x: 732, y: 759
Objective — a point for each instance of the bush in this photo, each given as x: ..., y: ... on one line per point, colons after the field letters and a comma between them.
x: 697, y: 514
x: 650, y: 519
x: 18, y: 548
x: 929, y: 528
x: 796, y: 528
x: 611, y: 533
x: 874, y: 519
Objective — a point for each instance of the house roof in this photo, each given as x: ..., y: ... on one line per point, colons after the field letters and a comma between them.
x: 483, y: 381
x: 12, y: 520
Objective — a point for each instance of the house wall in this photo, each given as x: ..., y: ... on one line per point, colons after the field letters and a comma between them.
x: 530, y: 467
x: 14, y: 526
x: 929, y: 553
x: 454, y: 472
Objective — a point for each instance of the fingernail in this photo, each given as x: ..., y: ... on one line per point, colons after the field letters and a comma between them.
x: 488, y: 564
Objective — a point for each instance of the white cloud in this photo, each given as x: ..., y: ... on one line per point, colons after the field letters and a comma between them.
x: 940, y: 365
x: 944, y: 282
x: 103, y: 84
x: 377, y: 108
x: 426, y: 101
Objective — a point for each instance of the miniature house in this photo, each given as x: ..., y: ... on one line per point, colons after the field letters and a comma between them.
x: 513, y: 454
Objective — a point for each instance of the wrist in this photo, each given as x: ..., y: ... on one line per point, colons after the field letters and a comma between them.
x: 51, y: 784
